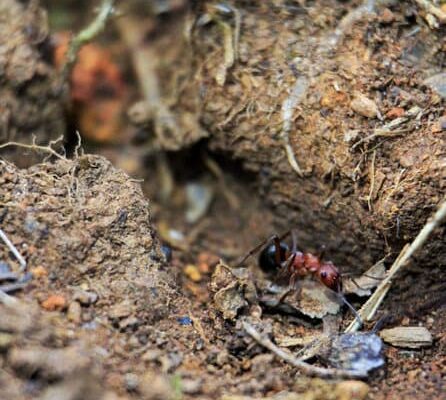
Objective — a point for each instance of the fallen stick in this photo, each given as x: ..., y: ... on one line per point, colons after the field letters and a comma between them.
x: 302, y: 366
x: 368, y: 310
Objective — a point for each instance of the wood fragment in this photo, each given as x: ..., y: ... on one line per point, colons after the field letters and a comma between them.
x: 368, y: 310
x: 300, y: 365
x: 412, y: 337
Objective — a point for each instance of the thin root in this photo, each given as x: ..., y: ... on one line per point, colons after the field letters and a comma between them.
x: 33, y: 146
x: 302, y: 366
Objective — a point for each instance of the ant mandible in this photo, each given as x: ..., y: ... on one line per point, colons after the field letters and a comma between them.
x: 277, y: 258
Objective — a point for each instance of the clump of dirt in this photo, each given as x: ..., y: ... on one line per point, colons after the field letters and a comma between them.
x: 87, y: 224
x: 30, y: 96
x: 85, y: 230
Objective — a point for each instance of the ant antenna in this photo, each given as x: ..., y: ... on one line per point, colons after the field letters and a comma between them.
x: 345, y: 301
x: 352, y: 309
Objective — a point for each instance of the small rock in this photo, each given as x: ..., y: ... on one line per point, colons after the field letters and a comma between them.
x: 222, y: 358
x: 152, y: 355
x: 359, y: 352
x: 121, y: 310
x: 351, y: 136
x: 199, y: 198
x: 412, y: 337
x: 442, y: 123
x: 6, y: 340
x: 351, y: 390
x: 55, y: 302
x: 131, y: 321
x: 437, y: 83
x: 131, y: 382
x: 405, y: 321
x: 395, y: 112
x: 39, y: 272
x: 362, y: 105
x: 192, y: 272
x: 5, y: 268
x: 386, y: 16
x: 184, y: 320
x: 191, y: 386
x: 74, y: 312
x: 85, y: 297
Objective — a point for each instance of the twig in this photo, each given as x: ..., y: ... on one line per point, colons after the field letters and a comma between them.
x: 301, y: 365
x: 368, y: 310
x: 86, y: 35
x: 13, y: 250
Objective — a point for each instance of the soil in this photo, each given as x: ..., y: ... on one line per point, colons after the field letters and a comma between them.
x: 105, y: 313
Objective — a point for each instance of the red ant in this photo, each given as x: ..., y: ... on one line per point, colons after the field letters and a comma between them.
x: 276, y: 258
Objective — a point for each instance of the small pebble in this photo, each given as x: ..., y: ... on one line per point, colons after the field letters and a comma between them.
x: 351, y: 390
x: 167, y: 251
x: 386, y: 16
x: 362, y: 105
x: 131, y: 382
x: 85, y: 297
x: 74, y: 312
x: 4, y: 267
x: 437, y: 83
x: 184, y: 321
x: 6, y: 340
x: 54, y: 302
x: 360, y: 352
x: 442, y: 123
x: 395, y: 112
x: 39, y: 272
x: 199, y: 198
x: 192, y: 272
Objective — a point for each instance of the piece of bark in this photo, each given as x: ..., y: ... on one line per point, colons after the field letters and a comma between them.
x: 412, y: 337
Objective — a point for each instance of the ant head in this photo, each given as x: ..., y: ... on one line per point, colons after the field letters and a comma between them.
x: 329, y: 275
x: 267, y: 258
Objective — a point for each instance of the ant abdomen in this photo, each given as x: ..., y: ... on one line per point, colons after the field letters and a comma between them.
x: 267, y: 258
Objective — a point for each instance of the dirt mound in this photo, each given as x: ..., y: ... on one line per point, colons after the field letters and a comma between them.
x: 85, y: 230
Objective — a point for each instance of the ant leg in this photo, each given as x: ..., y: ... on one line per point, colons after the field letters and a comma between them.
x: 277, y: 253
x: 321, y: 252
x: 294, y: 240
x: 286, y: 266
x: 255, y: 250
x: 274, y: 238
